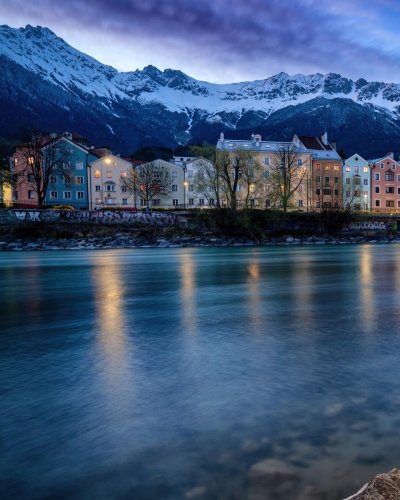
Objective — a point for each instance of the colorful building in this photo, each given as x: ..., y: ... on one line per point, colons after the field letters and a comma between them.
x: 385, y: 184
x: 356, y: 183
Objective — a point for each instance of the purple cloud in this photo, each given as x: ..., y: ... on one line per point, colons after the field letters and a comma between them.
x: 222, y: 40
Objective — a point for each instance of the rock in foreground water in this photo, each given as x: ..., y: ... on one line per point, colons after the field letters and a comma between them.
x: 382, y: 487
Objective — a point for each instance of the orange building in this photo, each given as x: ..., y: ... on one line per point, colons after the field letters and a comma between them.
x: 385, y: 185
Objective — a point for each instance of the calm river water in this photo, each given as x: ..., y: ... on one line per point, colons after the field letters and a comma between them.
x: 199, y: 373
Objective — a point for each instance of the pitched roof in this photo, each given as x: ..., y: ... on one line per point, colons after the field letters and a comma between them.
x: 314, y: 143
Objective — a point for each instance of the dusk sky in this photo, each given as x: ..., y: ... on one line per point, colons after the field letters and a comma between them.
x: 226, y: 40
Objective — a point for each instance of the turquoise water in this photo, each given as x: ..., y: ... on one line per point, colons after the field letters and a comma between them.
x: 199, y: 373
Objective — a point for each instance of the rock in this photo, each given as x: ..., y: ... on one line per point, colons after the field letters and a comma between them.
x: 382, y: 487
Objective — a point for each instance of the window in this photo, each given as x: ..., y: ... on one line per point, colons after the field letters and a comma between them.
x: 365, y: 169
x: 327, y: 180
x: 79, y: 195
x: 67, y: 195
x: 15, y: 161
x: 201, y: 202
x: 123, y: 189
x: 377, y: 203
x: 211, y: 202
x: 124, y: 201
x: 79, y: 165
x: 266, y: 160
x: 109, y: 174
x: 390, y: 190
x: 174, y: 187
x: 175, y: 202
x: 327, y: 191
x: 124, y: 174
x: 357, y: 170
x: 142, y: 204
x: 97, y: 173
x: 110, y: 187
x: 377, y: 176
x: 318, y: 166
x: 31, y: 177
x: 31, y: 160
x: 348, y: 194
x: 98, y: 188
x: 398, y: 190
x: 79, y: 179
x: 336, y: 168
x: 365, y: 182
x: 327, y: 167
x: 336, y: 192
x: 191, y: 201
x: 31, y: 194
x: 348, y: 180
x: 389, y: 203
x: 318, y: 178
x: 377, y: 189
x: 317, y: 192
x: 348, y: 168
x: 356, y: 194
x: 300, y: 203
x: 365, y: 193
x: 389, y: 177
x: 299, y: 162
x: 67, y: 179
x: 267, y: 203
x: 393, y: 166
x: 53, y: 179
x: 53, y: 195
x: 382, y: 165
x: 336, y: 180
x: 174, y: 174
x: 266, y: 174
x: 357, y: 180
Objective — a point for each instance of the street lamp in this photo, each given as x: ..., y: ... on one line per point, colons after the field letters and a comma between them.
x: 185, y: 184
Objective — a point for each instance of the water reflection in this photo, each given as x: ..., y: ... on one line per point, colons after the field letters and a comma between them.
x: 110, y: 302
x: 367, y: 290
x: 187, y: 271
x: 303, y: 288
x: 254, y: 295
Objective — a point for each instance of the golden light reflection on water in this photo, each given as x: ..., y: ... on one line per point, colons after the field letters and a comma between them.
x: 254, y: 296
x: 110, y: 314
x: 188, y: 285
x: 367, y: 290
x: 303, y: 292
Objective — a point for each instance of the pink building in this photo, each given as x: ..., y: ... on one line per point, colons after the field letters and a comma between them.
x: 385, y: 185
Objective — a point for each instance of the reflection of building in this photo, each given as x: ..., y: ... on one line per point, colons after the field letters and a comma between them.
x: 356, y: 183
x: 385, y: 184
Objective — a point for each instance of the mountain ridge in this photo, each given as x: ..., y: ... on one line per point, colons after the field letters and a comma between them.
x: 168, y: 107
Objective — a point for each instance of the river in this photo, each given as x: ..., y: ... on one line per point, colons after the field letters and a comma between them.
x: 268, y: 373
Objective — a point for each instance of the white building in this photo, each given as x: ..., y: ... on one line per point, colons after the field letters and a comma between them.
x: 356, y: 183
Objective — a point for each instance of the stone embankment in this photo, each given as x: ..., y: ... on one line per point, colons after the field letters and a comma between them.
x: 127, y: 241
x: 382, y: 487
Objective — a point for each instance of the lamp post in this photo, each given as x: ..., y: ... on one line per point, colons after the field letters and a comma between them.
x: 185, y: 184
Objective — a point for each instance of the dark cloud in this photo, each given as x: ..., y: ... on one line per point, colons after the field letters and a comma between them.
x: 243, y: 37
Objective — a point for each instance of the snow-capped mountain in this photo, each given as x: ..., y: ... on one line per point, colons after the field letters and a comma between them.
x: 47, y: 83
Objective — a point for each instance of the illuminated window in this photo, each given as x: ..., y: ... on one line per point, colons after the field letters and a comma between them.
x: 79, y: 179
x: 327, y: 167
x: 348, y: 168
x: 109, y: 174
x: 97, y: 173
x: 31, y: 160
x: 336, y: 168
x: 365, y: 170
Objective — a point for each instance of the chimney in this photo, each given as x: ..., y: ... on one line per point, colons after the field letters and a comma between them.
x: 257, y: 138
x: 53, y: 135
x: 221, y: 137
x: 391, y: 155
x: 324, y: 138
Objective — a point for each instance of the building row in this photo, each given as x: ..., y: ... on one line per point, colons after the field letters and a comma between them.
x: 92, y: 178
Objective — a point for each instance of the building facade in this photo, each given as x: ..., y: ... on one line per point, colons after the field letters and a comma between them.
x: 385, y: 185
x: 356, y: 183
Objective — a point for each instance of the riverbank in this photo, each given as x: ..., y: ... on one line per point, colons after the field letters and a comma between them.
x: 122, y: 240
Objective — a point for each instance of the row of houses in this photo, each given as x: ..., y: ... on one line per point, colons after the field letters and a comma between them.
x: 94, y: 177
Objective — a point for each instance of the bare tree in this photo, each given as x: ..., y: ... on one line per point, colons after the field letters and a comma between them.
x: 207, y: 180
x: 148, y: 181
x: 43, y: 157
x: 287, y: 174
x: 234, y: 168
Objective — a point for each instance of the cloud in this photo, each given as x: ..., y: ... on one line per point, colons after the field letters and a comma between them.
x: 237, y: 39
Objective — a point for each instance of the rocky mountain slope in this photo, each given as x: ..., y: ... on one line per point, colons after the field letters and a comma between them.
x: 48, y: 84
